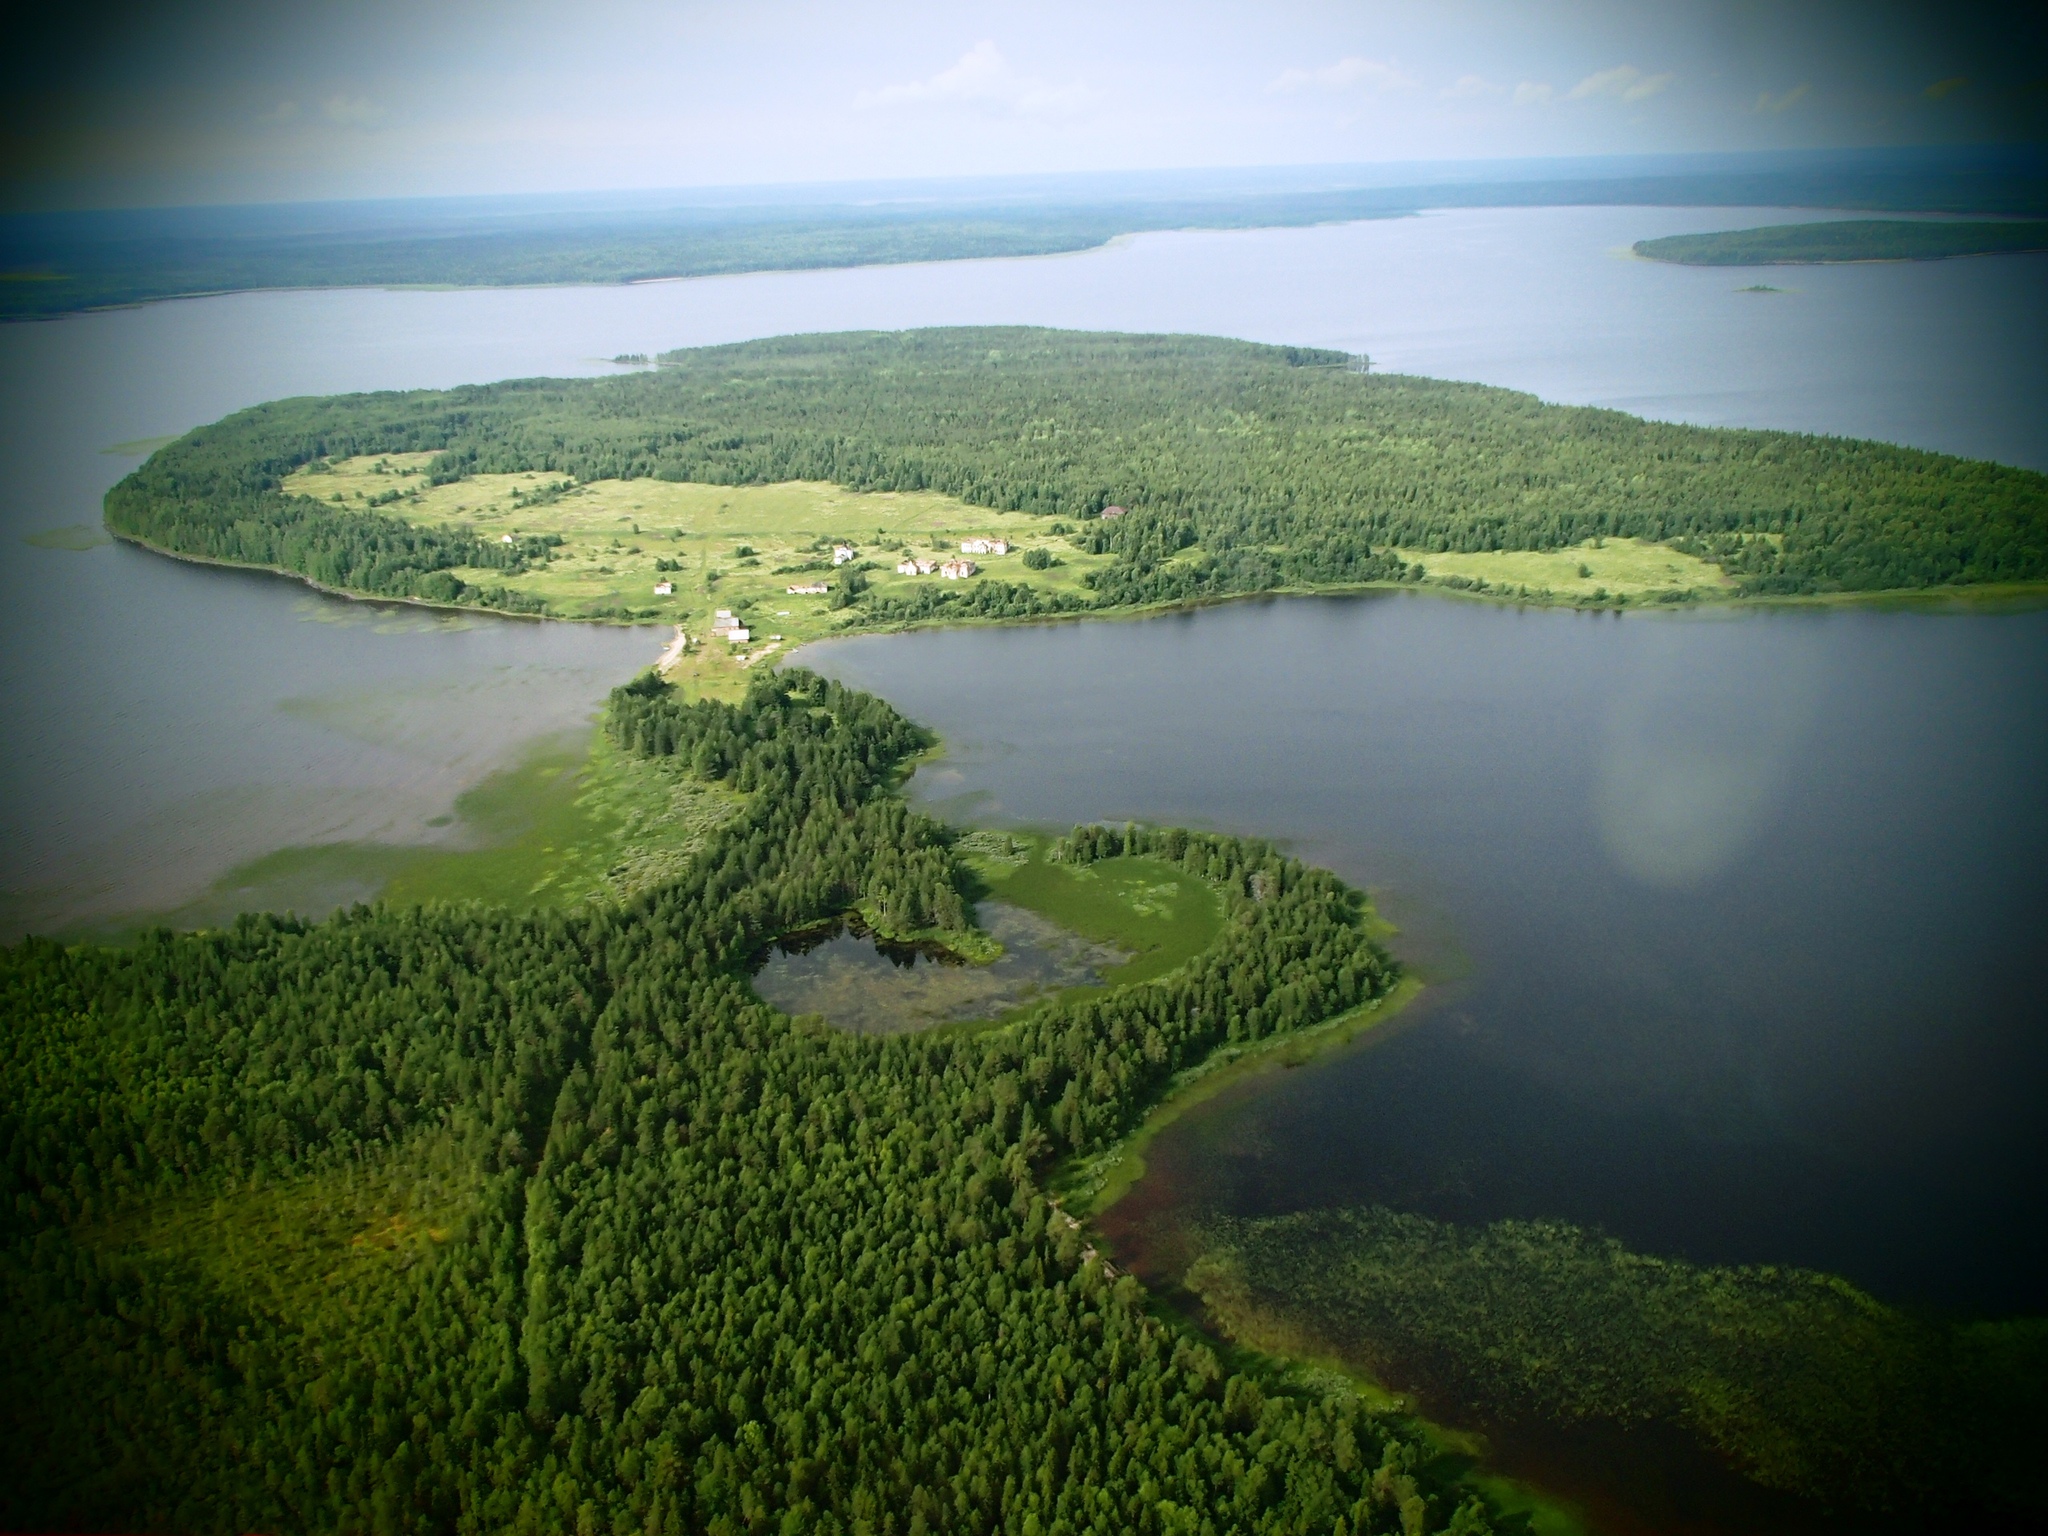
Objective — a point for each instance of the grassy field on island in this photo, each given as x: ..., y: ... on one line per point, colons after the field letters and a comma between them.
x: 1598, y: 570
x: 739, y: 547
x: 1850, y: 240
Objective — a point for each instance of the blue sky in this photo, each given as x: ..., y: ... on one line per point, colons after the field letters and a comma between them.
x: 246, y: 102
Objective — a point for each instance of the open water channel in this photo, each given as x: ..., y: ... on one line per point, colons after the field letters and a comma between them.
x: 1735, y: 918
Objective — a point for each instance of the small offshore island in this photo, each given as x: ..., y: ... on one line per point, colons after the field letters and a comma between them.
x: 530, y: 1214
x: 1850, y: 240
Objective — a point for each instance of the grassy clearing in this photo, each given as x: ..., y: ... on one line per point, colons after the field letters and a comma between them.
x: 1159, y: 915
x: 722, y: 546
x: 1597, y: 571
x: 290, y: 1247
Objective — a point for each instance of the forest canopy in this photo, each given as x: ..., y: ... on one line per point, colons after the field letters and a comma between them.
x: 1245, y: 468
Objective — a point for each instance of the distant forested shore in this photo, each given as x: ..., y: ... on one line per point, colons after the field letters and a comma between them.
x: 63, y: 263
x: 1850, y: 240
x: 1242, y: 468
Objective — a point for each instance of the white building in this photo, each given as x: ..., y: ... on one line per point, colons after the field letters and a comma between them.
x: 664, y: 588
x: 1112, y: 511
x: 984, y: 546
x: 810, y: 589
x: 739, y: 635
x: 910, y: 565
x: 841, y: 553
x: 722, y: 621
x: 953, y: 570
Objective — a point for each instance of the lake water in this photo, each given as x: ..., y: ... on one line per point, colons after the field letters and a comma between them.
x: 166, y: 724
x: 1735, y: 919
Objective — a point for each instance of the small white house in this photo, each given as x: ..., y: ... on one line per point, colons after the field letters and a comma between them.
x: 906, y: 566
x: 841, y: 553
x: 664, y: 588
x: 810, y: 589
x: 739, y: 635
x: 722, y: 621
x: 954, y: 570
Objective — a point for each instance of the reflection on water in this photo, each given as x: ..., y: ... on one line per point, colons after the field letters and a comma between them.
x: 871, y: 986
x: 1691, y: 764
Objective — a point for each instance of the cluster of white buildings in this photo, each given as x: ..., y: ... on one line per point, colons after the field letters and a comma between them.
x: 725, y: 627
x: 952, y: 570
x: 984, y: 546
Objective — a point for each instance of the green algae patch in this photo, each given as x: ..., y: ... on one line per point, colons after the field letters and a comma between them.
x: 573, y: 822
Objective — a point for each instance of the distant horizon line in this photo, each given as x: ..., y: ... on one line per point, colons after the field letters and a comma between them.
x: 1157, y: 181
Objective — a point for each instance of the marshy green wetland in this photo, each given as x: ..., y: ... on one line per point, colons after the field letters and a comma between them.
x: 703, y: 1136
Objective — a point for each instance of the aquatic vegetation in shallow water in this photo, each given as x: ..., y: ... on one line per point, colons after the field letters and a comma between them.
x: 860, y: 981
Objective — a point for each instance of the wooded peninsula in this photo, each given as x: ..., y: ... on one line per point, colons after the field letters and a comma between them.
x: 1850, y: 240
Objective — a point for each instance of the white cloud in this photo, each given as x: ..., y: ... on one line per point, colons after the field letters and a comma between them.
x: 1466, y: 87
x: 980, y: 78
x: 1530, y: 94
x: 1624, y: 81
x: 1783, y: 101
x: 351, y: 111
x: 1347, y: 72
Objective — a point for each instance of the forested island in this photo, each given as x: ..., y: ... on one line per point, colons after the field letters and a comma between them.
x: 1151, y: 470
x: 1850, y: 240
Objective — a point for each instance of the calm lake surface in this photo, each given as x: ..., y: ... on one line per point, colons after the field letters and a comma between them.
x: 1736, y: 919
x: 166, y: 724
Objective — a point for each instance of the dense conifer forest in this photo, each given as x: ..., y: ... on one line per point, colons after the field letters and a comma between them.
x: 1245, y: 468
x: 452, y: 1218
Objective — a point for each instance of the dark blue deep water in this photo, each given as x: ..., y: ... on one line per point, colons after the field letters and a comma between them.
x: 1736, y: 919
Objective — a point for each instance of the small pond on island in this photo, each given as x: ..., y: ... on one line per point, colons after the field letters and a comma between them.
x: 862, y: 982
